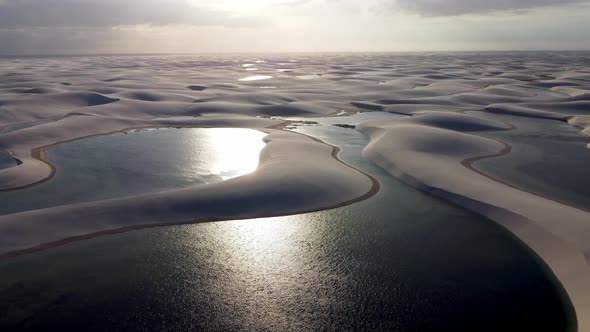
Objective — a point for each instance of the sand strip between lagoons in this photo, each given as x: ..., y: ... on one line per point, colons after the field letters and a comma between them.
x: 296, y: 174
x: 433, y: 159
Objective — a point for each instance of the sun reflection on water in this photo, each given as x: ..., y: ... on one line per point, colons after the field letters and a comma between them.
x: 231, y: 152
x: 257, y: 235
x: 258, y: 263
x: 255, y: 78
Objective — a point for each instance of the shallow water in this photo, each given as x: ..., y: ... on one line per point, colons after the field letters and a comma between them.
x: 541, y: 160
x: 6, y: 160
x: 401, y: 260
x: 111, y: 166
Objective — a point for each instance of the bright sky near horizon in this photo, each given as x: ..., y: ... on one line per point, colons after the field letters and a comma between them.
x: 196, y: 26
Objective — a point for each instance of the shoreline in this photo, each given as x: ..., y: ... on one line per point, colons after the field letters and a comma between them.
x: 469, y: 164
x: 557, y: 250
x: 40, y: 153
x: 570, y: 295
x: 375, y: 188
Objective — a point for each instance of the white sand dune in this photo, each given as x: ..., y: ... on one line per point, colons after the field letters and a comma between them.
x: 581, y: 121
x: 37, y: 106
x: 41, y: 91
x: 153, y: 96
x: 571, y: 91
x: 519, y: 110
x: 409, y: 109
x: 455, y: 121
x: 435, y: 159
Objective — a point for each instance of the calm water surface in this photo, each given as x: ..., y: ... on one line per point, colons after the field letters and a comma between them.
x: 6, y: 160
x: 111, y: 166
x: 401, y: 261
x: 541, y: 159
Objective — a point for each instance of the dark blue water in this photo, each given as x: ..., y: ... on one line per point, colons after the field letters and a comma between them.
x: 6, y: 160
x: 400, y: 261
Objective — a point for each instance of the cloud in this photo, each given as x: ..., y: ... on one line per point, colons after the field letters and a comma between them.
x: 462, y: 7
x: 16, y: 14
x: 56, y: 40
x: 294, y: 3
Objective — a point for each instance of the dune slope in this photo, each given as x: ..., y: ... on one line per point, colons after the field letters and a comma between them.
x: 438, y: 161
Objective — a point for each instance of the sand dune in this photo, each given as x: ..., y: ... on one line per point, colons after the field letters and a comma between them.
x: 437, y: 160
x: 519, y: 110
x: 41, y: 91
x: 46, y: 101
x: 456, y: 121
x: 571, y: 91
x: 154, y: 96
x: 39, y: 106
x: 582, y: 121
x: 296, y: 174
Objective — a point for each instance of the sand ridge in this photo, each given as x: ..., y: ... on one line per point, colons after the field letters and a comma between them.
x: 429, y: 157
x: 287, y: 181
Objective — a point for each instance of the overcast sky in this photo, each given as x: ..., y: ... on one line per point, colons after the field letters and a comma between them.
x: 195, y: 26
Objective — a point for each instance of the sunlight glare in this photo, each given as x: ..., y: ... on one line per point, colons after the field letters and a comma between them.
x: 234, y: 151
x: 239, y: 6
